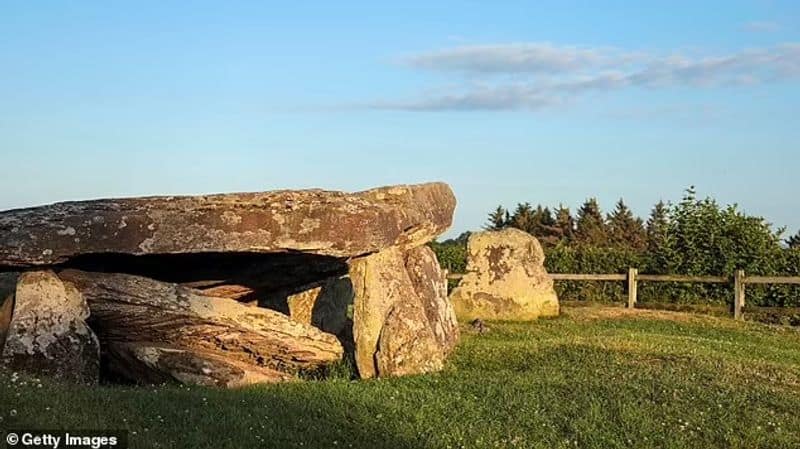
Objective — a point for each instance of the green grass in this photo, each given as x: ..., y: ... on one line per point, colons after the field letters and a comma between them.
x: 594, y: 378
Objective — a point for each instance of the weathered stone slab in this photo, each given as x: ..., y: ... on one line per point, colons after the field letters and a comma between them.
x: 323, y: 305
x: 150, y: 363
x: 132, y: 312
x: 407, y: 344
x: 430, y: 284
x: 8, y: 287
x: 379, y: 281
x: 311, y: 221
x: 47, y: 334
x: 505, y: 279
x: 402, y: 320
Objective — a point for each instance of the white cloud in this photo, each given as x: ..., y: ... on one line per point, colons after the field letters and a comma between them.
x: 552, y: 74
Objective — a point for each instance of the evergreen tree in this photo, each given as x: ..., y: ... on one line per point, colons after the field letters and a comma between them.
x: 497, y: 219
x: 659, y: 240
x: 544, y: 226
x: 658, y: 226
x: 794, y: 241
x: 545, y: 217
x: 462, y: 238
x: 625, y: 230
x: 590, y: 227
x: 523, y: 218
x: 565, y: 223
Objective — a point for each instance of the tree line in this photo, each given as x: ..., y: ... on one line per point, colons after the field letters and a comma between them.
x: 666, y: 224
x: 695, y: 236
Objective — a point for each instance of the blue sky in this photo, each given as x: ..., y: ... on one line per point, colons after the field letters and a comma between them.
x: 546, y: 102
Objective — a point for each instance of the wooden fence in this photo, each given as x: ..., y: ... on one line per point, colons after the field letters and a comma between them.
x: 632, y: 279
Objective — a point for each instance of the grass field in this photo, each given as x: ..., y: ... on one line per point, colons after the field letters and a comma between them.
x: 593, y: 378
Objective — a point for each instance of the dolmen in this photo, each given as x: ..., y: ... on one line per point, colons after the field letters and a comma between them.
x: 227, y: 290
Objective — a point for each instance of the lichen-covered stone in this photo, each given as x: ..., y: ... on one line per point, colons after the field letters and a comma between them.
x: 48, y: 334
x: 180, y: 288
x: 323, y: 305
x: 310, y: 221
x: 379, y: 281
x: 505, y: 279
x: 402, y: 321
x: 430, y: 284
x: 153, y: 363
x: 8, y: 287
x: 131, y: 312
x: 407, y: 344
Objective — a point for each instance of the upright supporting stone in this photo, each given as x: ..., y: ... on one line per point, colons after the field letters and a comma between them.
x: 633, y: 274
x: 8, y: 287
x: 738, y: 301
x: 47, y: 333
x: 403, y: 322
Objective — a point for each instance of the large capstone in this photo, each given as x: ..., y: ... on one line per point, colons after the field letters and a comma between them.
x: 315, y: 222
x: 505, y: 279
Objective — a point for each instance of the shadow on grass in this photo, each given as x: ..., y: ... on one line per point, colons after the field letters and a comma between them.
x: 496, y: 392
x: 303, y: 415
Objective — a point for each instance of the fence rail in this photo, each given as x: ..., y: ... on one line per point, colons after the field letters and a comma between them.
x: 632, y: 278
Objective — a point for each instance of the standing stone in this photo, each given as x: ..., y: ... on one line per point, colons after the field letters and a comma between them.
x: 379, y: 280
x: 407, y: 344
x: 8, y: 286
x: 505, y: 279
x: 430, y: 285
x: 323, y: 305
x: 402, y: 320
x: 48, y: 333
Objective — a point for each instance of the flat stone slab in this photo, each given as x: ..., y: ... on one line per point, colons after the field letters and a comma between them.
x: 316, y: 222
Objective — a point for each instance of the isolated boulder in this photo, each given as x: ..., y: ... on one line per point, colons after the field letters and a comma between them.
x: 132, y: 315
x: 505, y: 279
x: 400, y: 326
x: 47, y: 334
x: 314, y: 222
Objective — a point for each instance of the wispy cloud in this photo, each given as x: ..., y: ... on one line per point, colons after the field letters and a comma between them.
x: 539, y: 75
x: 519, y: 58
x: 761, y: 26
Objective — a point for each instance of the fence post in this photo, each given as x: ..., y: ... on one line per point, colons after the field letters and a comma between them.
x: 633, y: 273
x: 738, y: 289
